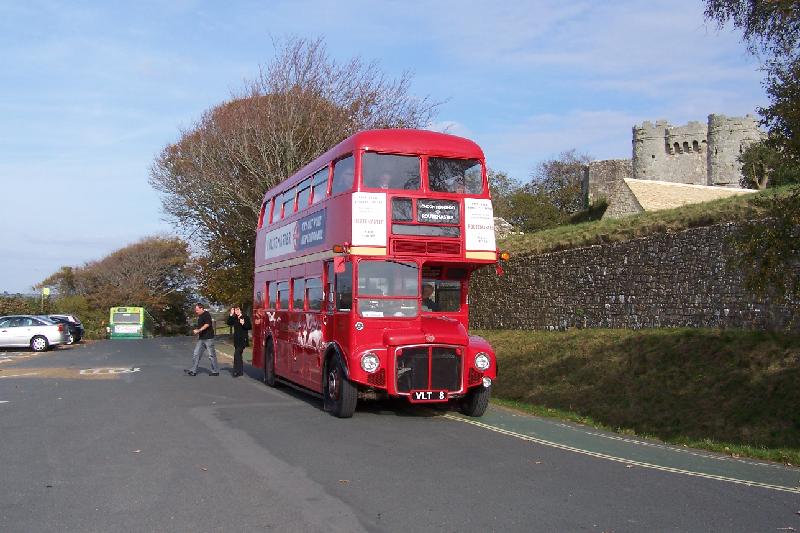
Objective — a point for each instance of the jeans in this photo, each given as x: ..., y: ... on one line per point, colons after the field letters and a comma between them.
x: 208, y: 344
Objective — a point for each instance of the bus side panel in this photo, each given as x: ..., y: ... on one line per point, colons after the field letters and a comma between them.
x: 283, y: 344
x: 313, y: 350
x: 259, y: 321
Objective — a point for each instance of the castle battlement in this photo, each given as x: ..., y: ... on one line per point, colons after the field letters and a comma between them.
x: 693, y: 153
x: 672, y: 160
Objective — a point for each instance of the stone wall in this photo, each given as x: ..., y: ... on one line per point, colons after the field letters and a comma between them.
x: 666, y: 280
x: 606, y: 179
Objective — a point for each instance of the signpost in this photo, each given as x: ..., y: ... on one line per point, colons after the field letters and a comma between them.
x: 45, y: 292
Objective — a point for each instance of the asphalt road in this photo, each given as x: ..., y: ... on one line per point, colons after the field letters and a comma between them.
x: 147, y: 448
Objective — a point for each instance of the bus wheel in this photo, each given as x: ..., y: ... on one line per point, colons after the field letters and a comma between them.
x: 340, y: 394
x: 39, y: 344
x: 269, y: 364
x: 476, y: 401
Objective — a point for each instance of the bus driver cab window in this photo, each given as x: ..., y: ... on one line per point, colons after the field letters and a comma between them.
x: 344, y: 288
x: 442, y: 289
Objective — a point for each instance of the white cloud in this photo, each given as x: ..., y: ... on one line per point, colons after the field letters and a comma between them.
x: 520, y: 146
x: 453, y: 127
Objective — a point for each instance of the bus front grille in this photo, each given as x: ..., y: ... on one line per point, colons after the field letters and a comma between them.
x: 428, y: 368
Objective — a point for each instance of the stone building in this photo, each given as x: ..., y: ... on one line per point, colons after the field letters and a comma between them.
x: 674, y: 165
x: 696, y: 153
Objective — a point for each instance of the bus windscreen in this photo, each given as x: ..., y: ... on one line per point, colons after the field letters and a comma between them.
x: 388, y: 171
x: 455, y: 175
x: 386, y: 288
x: 126, y: 318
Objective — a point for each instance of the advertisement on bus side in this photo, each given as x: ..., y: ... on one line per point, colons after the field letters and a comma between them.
x: 301, y: 234
x: 479, y: 224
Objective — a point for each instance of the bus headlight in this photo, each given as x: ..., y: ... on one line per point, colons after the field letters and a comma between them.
x: 482, y: 361
x: 370, y: 362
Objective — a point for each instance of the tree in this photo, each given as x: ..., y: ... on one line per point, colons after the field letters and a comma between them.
x: 763, y: 165
x: 771, y: 29
x: 532, y: 212
x: 152, y: 273
x: 502, y: 187
x: 214, y: 177
x: 770, y: 252
x: 560, y: 181
x: 552, y: 196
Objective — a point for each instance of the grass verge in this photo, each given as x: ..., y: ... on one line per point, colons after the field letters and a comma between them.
x: 734, y: 209
x: 728, y: 391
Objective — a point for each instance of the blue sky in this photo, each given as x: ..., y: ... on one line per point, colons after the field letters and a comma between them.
x: 91, y: 91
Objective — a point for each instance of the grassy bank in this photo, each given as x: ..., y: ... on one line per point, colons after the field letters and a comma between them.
x: 732, y: 391
x: 734, y: 209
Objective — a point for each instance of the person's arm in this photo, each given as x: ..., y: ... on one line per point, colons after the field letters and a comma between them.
x: 205, y: 325
x: 231, y: 320
x: 246, y: 325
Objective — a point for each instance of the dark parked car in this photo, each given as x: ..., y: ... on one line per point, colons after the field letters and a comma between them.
x: 73, y: 324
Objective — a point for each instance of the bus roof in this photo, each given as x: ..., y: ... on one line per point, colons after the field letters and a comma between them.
x: 400, y: 141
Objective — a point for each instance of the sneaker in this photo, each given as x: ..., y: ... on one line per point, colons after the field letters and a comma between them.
x: 189, y: 372
x: 214, y: 374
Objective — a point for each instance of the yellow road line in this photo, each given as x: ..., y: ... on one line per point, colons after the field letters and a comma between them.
x: 794, y: 490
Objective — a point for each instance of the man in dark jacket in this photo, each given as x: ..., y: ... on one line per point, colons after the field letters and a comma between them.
x: 205, y: 341
x: 240, y: 325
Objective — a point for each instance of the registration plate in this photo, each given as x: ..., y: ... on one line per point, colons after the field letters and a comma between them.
x: 426, y: 396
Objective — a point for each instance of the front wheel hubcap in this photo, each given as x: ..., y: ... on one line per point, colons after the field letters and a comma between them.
x: 333, y: 385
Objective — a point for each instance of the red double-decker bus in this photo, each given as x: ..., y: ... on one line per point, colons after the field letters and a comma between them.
x: 363, y: 261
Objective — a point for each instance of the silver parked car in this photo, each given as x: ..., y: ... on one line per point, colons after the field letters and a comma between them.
x: 37, y: 332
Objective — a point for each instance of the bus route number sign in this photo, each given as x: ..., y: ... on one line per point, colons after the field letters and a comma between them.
x: 427, y: 396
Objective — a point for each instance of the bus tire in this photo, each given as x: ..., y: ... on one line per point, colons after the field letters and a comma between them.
x: 269, y: 364
x: 476, y: 401
x: 39, y: 343
x: 341, y: 395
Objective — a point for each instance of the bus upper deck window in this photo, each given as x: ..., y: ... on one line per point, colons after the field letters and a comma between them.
x: 303, y: 194
x: 319, y: 185
x: 261, y: 213
x: 387, y: 171
x: 287, y: 202
x: 343, y: 172
x: 455, y: 175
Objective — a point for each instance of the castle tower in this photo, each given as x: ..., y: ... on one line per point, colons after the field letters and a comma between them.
x: 728, y: 137
x: 670, y: 153
x: 648, y: 149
